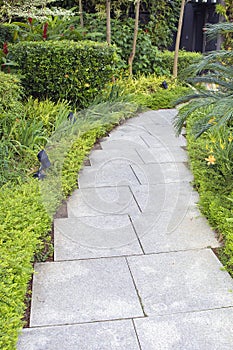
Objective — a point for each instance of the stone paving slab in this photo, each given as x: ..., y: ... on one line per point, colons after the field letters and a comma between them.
x: 71, y: 292
x: 114, y: 335
x: 102, y: 201
x: 170, y: 197
x: 203, y: 330
x: 168, y: 232
x: 163, y: 155
x: 116, y: 173
x: 181, y: 282
x: 122, y: 145
x: 93, y: 237
x: 160, y: 116
x: 167, y: 140
x: 155, y: 173
x: 115, y: 157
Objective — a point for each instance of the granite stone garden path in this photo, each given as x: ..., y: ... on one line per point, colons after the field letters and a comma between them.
x: 133, y: 262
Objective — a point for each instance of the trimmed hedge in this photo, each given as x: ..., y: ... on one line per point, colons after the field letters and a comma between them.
x: 7, y: 33
x: 165, y: 61
x: 10, y: 92
x: 75, y: 71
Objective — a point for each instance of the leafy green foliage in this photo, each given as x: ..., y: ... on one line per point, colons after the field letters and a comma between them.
x: 164, y: 16
x: 64, y: 70
x: 24, y: 223
x: 165, y: 61
x: 7, y: 33
x: 214, y: 181
x: 10, y: 92
x: 212, y: 78
x: 148, y: 92
x: 25, y: 215
x: 38, y: 9
x: 58, y: 28
x: 122, y: 36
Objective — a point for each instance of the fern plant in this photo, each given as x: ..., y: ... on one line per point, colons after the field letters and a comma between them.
x: 212, y: 83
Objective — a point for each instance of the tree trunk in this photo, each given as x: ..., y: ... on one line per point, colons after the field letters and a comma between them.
x: 132, y: 55
x: 108, y: 24
x: 81, y: 13
x: 175, y: 66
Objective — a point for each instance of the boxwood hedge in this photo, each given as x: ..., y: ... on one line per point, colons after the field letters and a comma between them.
x: 75, y: 71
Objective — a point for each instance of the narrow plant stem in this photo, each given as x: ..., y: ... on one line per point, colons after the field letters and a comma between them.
x: 108, y: 24
x: 81, y: 13
x: 132, y: 55
x: 175, y: 66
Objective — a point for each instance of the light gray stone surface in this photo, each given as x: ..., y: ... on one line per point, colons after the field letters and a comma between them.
x: 122, y: 145
x: 203, y: 330
x: 101, y: 201
x: 110, y: 173
x: 71, y: 292
x: 166, y: 140
x: 167, y: 231
x: 163, y: 155
x: 180, y: 282
x: 115, y: 335
x: 93, y: 237
x: 164, y: 197
x: 162, y: 173
x: 134, y: 243
x: 115, y: 157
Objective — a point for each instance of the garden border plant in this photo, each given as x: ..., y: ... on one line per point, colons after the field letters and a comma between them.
x: 26, y: 224
x: 215, y: 194
x: 53, y: 69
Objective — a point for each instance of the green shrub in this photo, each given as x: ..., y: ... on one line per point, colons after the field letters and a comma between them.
x: 147, y: 91
x: 75, y: 71
x: 25, y: 221
x: 164, y: 61
x: 7, y: 33
x: 213, y: 179
x: 11, y: 92
x: 23, y: 225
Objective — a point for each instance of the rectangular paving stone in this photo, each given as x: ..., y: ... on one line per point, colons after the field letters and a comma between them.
x: 93, y: 237
x: 155, y: 139
x: 181, y: 230
x: 163, y: 155
x: 114, y: 157
x: 202, y: 330
x: 122, y: 145
x: 181, y: 281
x: 146, y: 117
x: 71, y: 292
x: 111, y: 173
x: 101, y: 201
x: 154, y: 173
x: 161, y: 116
x: 114, y: 335
x: 170, y: 197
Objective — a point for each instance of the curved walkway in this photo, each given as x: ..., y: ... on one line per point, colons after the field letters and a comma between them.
x: 133, y: 268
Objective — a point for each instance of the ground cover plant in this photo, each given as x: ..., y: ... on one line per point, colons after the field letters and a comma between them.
x: 208, y: 114
x: 153, y: 92
x: 26, y: 213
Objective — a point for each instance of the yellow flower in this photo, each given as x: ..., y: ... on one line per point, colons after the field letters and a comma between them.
x: 210, y: 160
x: 222, y: 145
x: 211, y: 121
x: 230, y: 138
x: 213, y: 140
